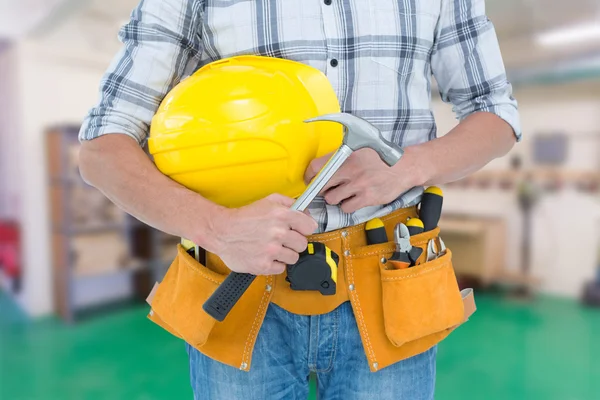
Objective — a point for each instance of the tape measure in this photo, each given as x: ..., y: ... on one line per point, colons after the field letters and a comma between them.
x: 316, y: 269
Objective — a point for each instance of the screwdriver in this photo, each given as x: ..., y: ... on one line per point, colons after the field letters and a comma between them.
x: 415, y: 226
x: 375, y: 230
x: 431, y: 208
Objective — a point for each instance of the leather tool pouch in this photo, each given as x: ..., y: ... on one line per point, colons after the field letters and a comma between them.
x: 416, y: 307
x: 185, y: 287
x: 421, y: 300
x: 177, y: 307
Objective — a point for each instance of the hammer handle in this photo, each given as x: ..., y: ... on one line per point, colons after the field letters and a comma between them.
x: 227, y: 295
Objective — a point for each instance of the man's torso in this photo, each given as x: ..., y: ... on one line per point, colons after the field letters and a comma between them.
x: 375, y: 53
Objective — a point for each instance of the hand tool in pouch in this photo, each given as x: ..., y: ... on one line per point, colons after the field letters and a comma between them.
x: 405, y: 255
x: 431, y: 208
x: 190, y: 248
x: 435, y: 250
x: 358, y: 134
x: 316, y: 269
x: 415, y: 226
x: 375, y: 230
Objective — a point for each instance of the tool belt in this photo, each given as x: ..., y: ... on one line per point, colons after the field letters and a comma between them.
x: 399, y: 312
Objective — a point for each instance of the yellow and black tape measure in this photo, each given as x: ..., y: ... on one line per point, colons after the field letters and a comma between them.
x: 316, y: 269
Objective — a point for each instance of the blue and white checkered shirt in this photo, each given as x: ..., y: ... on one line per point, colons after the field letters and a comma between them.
x: 379, y: 55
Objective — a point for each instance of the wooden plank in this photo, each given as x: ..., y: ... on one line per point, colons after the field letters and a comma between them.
x: 61, y: 276
x: 54, y: 154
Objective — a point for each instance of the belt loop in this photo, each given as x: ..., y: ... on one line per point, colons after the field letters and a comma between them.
x: 345, y: 246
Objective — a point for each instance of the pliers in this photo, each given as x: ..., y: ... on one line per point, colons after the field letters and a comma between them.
x: 405, y: 255
x: 434, y: 250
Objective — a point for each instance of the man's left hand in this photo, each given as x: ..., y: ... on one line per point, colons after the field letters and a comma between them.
x: 364, y: 180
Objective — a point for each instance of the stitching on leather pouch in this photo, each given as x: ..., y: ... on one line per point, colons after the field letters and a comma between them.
x: 328, y: 235
x: 191, y: 267
x: 261, y: 308
x: 361, y: 255
x: 361, y: 320
x: 399, y: 278
x: 372, y: 253
x: 329, y: 240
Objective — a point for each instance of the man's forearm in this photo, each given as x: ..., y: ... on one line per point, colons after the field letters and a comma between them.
x: 472, y: 144
x: 117, y: 166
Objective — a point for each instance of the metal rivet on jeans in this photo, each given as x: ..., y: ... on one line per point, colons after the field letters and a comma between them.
x: 345, y: 233
x: 268, y: 288
x: 243, y: 366
x: 383, y: 260
x: 351, y: 287
x: 375, y: 366
x: 346, y: 252
x: 151, y: 312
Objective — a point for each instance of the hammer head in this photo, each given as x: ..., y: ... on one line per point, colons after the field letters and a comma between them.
x: 359, y: 134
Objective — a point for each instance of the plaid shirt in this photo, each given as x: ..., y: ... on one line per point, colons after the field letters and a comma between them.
x: 379, y: 56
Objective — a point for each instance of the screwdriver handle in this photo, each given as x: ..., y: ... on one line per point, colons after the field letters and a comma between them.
x: 431, y: 208
x: 227, y: 294
x: 415, y: 226
x: 375, y: 230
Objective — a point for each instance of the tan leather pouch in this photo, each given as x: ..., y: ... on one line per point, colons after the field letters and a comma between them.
x: 421, y: 300
x: 402, y: 313
x: 177, y: 307
x: 177, y: 301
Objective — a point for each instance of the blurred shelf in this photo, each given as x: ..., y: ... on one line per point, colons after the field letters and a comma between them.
x: 100, y: 255
x: 461, y: 226
x: 588, y: 180
x: 478, y: 245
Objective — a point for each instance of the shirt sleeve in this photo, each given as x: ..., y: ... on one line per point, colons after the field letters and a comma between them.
x: 160, y: 44
x: 467, y: 63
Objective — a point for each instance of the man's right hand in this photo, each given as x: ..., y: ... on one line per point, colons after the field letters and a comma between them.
x: 261, y: 238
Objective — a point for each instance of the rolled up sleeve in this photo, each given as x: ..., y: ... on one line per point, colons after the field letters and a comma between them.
x: 160, y: 45
x: 468, y: 66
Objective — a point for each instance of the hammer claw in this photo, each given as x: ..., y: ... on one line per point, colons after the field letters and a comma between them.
x: 359, y: 133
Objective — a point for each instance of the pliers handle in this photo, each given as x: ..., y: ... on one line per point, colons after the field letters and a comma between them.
x: 405, y: 255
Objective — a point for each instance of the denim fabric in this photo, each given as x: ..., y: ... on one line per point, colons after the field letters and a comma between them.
x: 289, y: 347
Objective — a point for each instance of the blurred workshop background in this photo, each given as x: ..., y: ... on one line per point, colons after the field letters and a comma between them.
x: 524, y: 231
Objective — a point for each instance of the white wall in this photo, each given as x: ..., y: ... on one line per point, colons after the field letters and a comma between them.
x: 562, y: 259
x: 53, y: 90
x: 9, y: 174
x: 18, y: 17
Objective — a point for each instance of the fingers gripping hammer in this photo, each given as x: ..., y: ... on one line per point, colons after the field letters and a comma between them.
x: 358, y: 134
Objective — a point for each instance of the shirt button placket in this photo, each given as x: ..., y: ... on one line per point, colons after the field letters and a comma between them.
x: 329, y: 27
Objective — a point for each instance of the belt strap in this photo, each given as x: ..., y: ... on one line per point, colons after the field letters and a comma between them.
x: 343, y: 242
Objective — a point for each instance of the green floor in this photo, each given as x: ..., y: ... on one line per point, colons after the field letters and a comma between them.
x: 548, y: 350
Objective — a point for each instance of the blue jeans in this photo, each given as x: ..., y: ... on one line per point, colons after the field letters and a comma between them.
x: 290, y: 346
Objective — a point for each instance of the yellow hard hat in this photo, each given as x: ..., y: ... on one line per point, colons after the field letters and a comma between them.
x: 234, y: 131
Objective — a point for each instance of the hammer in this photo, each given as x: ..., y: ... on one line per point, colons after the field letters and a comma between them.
x: 358, y: 134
